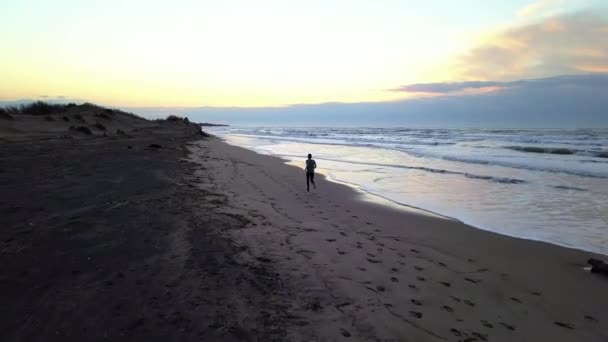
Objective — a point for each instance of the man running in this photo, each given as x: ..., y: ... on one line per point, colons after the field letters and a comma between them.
x: 310, y: 172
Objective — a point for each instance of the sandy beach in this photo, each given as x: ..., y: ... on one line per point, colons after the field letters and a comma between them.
x: 372, y: 272
x: 163, y: 235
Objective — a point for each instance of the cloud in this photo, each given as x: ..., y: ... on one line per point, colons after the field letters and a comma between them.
x: 537, y: 7
x: 566, y: 44
x: 584, y: 80
x: 569, y: 101
x: 447, y: 87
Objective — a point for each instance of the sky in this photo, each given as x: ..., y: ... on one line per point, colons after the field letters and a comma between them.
x: 202, y: 57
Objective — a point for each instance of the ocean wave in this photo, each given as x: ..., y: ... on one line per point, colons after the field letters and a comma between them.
x: 431, y: 170
x: 522, y: 166
x: 504, y: 180
x: 565, y: 187
x: 472, y: 146
x: 549, y: 150
x: 559, y: 150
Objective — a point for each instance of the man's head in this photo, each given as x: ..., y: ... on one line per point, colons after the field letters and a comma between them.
x: 309, y: 156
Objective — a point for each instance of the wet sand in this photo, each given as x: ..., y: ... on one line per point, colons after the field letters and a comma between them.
x: 366, y: 271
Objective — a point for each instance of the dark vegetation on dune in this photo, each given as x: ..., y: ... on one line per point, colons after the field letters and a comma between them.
x: 175, y: 118
x: 82, y: 129
x: 45, y: 109
x: 4, y: 115
x: 88, y: 118
x: 35, y: 108
x: 99, y: 126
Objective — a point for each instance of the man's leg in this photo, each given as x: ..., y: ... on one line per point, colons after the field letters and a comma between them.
x: 307, y: 181
x: 312, y: 180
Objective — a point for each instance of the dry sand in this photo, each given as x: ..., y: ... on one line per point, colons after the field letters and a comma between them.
x: 104, y: 238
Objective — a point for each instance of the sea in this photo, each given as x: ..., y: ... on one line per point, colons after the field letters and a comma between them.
x: 538, y: 184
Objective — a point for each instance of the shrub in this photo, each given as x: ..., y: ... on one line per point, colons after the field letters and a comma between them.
x: 39, y: 108
x: 103, y: 115
x: 99, y: 126
x: 65, y: 118
x: 79, y: 118
x: 174, y: 118
x: 120, y: 132
x: 82, y: 129
x: 5, y: 115
x: 49, y: 118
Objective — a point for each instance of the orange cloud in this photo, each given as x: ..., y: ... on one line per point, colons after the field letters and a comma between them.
x: 593, y: 68
x: 554, y: 46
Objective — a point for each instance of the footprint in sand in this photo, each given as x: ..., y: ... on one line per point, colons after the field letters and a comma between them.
x: 479, y: 336
x: 591, y: 318
x: 445, y: 283
x: 418, y: 268
x: 412, y: 286
x: 330, y: 240
x: 420, y: 278
x: 374, y: 261
x: 456, y: 332
x: 486, y: 324
x: 474, y: 281
x: 564, y: 325
x: 394, y: 280
x: 344, y: 332
x: 380, y: 288
x: 395, y: 269
x: 536, y: 293
x: 509, y: 327
x: 361, y: 269
x: 341, y: 252
x: 442, y: 264
x: 343, y: 233
x: 468, y: 302
x: 448, y: 308
x: 515, y: 300
x: 415, y: 302
x: 456, y: 299
x: 414, y: 251
x: 416, y: 314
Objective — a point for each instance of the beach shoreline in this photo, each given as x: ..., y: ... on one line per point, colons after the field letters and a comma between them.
x: 353, y: 247
x: 471, y: 175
